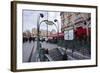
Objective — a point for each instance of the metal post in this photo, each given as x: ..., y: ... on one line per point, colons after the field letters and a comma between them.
x: 57, y: 26
x: 38, y: 43
x: 58, y: 29
x: 47, y: 31
x: 38, y: 37
x: 47, y: 25
x: 58, y: 33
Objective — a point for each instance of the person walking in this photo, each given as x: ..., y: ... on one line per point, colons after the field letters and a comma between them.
x: 65, y: 57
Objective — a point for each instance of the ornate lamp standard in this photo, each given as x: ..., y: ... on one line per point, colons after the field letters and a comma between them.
x: 57, y: 28
x: 39, y: 53
x: 52, y: 23
x: 38, y: 36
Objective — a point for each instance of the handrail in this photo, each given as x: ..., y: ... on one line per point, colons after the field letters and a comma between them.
x: 61, y: 50
x: 48, y: 57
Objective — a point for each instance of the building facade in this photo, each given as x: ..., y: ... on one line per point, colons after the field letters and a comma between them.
x: 43, y: 33
x: 75, y: 20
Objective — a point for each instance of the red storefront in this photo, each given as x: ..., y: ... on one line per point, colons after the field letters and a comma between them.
x: 57, y: 36
x: 81, y: 32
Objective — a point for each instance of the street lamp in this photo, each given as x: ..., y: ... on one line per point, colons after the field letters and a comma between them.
x: 55, y: 20
x: 57, y: 29
x: 38, y: 36
x: 41, y: 15
x: 52, y: 23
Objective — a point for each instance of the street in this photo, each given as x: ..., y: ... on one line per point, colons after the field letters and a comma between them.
x: 30, y: 52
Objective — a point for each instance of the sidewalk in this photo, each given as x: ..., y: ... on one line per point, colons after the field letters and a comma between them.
x: 34, y: 53
x: 27, y: 48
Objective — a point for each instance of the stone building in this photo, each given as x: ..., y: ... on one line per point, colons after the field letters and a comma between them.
x: 43, y: 33
x: 76, y: 27
x: 74, y: 20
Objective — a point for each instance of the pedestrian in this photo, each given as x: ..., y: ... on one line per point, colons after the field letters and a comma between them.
x: 73, y: 49
x: 40, y: 45
x: 65, y: 57
x: 46, y: 50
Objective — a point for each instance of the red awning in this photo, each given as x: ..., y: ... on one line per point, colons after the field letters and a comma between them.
x: 61, y: 34
x: 57, y: 35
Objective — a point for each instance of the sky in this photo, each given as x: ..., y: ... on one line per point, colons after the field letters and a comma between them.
x: 30, y: 18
